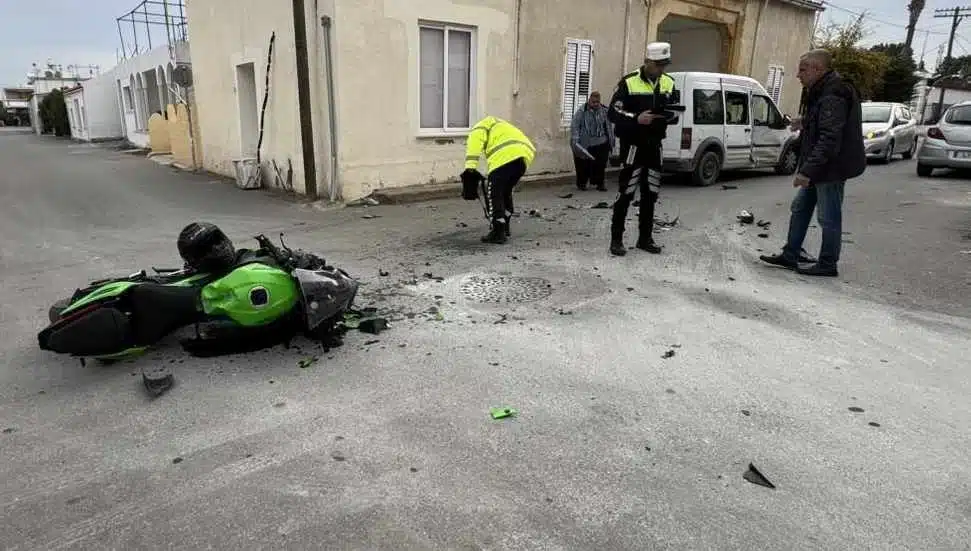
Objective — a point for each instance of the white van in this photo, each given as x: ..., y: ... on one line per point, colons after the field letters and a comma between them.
x: 729, y: 123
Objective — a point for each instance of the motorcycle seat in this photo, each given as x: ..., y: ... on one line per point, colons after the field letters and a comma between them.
x: 157, y: 310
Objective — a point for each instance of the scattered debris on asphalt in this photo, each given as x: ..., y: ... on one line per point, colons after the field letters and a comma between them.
x: 307, y: 362
x: 856, y: 409
x: 372, y: 326
x: 668, y: 354
x: 566, y: 196
x: 666, y: 224
x: 502, y: 412
x: 729, y: 186
x: 364, y: 202
x: 763, y: 223
x: 873, y: 424
x: 746, y: 217
x: 9, y: 430
x: 755, y: 477
x: 177, y: 460
x: 383, y: 273
x: 502, y: 319
x: 370, y: 216
x: 601, y: 205
x: 764, y: 235
x: 746, y: 413
x: 157, y: 380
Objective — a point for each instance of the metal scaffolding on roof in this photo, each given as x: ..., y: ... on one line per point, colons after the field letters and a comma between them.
x: 135, y: 28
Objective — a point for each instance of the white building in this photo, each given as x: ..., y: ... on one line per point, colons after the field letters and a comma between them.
x: 53, y: 77
x: 955, y: 90
x: 94, y: 111
x: 143, y: 87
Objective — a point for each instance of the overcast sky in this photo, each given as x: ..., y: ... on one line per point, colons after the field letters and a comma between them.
x: 84, y: 32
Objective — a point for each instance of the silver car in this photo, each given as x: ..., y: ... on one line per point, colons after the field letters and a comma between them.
x: 948, y: 144
x: 888, y: 129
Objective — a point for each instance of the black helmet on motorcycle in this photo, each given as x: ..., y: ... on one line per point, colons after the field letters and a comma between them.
x: 205, y: 248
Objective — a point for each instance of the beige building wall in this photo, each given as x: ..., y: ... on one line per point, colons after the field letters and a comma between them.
x: 378, y: 92
x: 376, y: 72
x: 224, y: 35
x: 545, y: 29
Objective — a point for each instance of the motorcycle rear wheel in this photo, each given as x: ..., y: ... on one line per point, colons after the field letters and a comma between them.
x: 54, y: 313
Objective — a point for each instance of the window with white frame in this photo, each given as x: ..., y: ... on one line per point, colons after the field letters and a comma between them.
x: 446, y: 77
x: 773, y: 84
x: 577, y: 71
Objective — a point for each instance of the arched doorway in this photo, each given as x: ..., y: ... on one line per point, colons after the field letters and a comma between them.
x: 696, y: 45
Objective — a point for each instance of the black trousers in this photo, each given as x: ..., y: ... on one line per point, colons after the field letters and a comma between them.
x: 641, y: 171
x: 499, y: 186
x: 592, y: 170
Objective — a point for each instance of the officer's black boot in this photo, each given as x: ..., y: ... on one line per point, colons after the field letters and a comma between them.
x: 645, y: 219
x: 497, y: 234
x: 617, y: 247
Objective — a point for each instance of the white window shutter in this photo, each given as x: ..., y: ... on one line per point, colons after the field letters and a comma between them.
x: 569, y: 83
x: 774, y: 83
x: 577, y: 76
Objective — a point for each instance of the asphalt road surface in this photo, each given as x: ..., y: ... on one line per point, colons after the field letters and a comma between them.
x: 645, y: 386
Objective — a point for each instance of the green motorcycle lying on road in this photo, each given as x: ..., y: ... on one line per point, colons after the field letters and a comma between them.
x: 238, y: 300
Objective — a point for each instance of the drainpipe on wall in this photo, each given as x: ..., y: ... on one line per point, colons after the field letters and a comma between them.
x: 515, y: 76
x: 325, y: 22
x: 647, y: 29
x: 303, y: 98
x: 623, y: 69
x: 755, y: 38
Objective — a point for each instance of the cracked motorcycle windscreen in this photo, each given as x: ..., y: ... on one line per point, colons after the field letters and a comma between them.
x: 322, y: 295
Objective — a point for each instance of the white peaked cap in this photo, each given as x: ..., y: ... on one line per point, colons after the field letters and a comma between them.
x: 659, y: 51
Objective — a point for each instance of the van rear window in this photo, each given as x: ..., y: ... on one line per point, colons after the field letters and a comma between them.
x: 709, y: 108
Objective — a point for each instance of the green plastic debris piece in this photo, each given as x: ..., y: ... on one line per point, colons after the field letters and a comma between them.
x: 307, y: 362
x: 501, y: 413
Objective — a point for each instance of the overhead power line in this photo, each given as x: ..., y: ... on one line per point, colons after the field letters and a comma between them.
x: 880, y: 21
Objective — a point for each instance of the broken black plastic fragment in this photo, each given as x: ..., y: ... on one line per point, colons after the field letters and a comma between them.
x: 157, y: 380
x: 372, y: 326
x: 755, y: 477
x: 668, y: 354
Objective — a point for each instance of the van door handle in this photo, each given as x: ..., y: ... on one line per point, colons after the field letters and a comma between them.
x: 748, y: 129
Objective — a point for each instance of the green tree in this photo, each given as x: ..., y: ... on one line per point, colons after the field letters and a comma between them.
x: 858, y: 65
x: 53, y: 114
x: 956, y: 66
x: 899, y: 78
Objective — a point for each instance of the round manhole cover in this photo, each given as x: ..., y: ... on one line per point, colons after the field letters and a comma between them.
x: 497, y: 288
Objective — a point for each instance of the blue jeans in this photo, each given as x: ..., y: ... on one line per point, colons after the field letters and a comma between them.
x: 827, y: 199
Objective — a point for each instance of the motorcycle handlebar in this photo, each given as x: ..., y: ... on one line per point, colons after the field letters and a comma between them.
x: 272, y: 249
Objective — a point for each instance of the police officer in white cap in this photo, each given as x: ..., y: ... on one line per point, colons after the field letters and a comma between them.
x: 638, y: 111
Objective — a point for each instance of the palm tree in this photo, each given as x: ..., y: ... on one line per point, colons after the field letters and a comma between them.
x: 915, y: 7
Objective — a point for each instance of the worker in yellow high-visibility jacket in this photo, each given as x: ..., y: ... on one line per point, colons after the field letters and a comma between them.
x: 508, y: 154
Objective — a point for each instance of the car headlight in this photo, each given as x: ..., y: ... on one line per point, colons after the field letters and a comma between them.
x: 876, y: 134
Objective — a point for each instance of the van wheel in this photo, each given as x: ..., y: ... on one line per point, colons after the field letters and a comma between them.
x: 788, y: 163
x: 708, y: 168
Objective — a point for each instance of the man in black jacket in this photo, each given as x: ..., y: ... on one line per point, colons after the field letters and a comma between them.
x: 831, y: 151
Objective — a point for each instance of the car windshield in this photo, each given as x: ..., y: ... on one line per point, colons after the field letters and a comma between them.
x: 959, y: 115
x: 876, y: 113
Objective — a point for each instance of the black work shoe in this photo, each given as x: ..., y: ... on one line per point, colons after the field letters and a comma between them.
x: 779, y: 260
x: 617, y: 248
x: 648, y: 245
x: 817, y: 270
x: 496, y: 235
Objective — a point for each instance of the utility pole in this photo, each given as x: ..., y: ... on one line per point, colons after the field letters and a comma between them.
x: 956, y: 15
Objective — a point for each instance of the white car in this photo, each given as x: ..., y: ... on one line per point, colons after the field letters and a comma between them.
x: 729, y: 123
x: 888, y: 129
x: 948, y: 144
